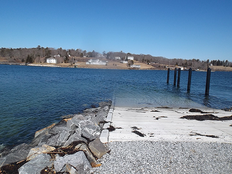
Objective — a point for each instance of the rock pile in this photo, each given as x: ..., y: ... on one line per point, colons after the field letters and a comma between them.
x: 71, y: 146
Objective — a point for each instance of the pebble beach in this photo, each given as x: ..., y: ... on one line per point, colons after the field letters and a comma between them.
x: 166, y: 157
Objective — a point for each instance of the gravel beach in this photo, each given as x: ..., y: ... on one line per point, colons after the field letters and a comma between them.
x: 166, y: 157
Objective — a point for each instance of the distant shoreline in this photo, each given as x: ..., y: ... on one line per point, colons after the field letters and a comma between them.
x: 122, y: 66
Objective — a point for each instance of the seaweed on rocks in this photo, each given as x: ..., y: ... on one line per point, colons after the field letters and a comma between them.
x: 206, y: 117
x: 111, y: 128
x: 135, y: 128
x: 12, y: 168
x: 103, y: 122
x: 157, y: 118
x: 198, y: 110
x: 155, y: 110
x: 139, y: 133
x: 164, y: 107
x: 198, y: 134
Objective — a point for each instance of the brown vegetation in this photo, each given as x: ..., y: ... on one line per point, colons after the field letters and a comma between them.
x: 78, y: 57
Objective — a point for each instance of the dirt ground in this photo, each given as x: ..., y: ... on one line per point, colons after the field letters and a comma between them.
x: 220, y: 68
x: 110, y: 65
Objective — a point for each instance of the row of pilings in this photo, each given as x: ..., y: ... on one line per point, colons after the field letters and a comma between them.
x: 189, y: 79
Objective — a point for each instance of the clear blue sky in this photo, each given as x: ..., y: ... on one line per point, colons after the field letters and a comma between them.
x: 200, y: 29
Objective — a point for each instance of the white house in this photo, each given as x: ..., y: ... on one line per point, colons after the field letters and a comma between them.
x: 117, y: 58
x: 51, y: 60
x: 56, y: 56
x: 96, y: 62
x: 135, y: 66
x: 130, y: 57
x: 124, y: 61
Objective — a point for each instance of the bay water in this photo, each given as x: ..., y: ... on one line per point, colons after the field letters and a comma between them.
x: 32, y: 98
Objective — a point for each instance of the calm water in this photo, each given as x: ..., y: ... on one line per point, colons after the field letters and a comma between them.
x: 32, y: 98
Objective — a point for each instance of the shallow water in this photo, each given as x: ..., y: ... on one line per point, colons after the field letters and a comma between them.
x: 35, y: 97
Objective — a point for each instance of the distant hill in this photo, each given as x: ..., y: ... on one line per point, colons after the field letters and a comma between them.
x: 40, y: 54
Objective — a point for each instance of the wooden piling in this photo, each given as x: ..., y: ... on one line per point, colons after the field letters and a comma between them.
x: 168, y: 75
x: 178, y: 80
x: 207, y: 81
x: 175, y: 77
x: 189, y: 79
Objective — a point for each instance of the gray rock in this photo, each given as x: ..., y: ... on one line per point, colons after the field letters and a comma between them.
x: 70, y: 169
x: 77, y: 160
x: 74, y: 137
x: 59, y: 139
x: 44, y: 130
x: 89, y: 115
x: 36, y: 165
x: 16, y: 154
x: 88, y: 154
x: 57, y: 129
x: 103, y: 104
x: 75, y: 120
x: 106, y: 108
x: 91, y: 132
x: 99, y: 117
x: 98, y: 148
x: 39, y: 150
x: 83, y: 123
x: 92, y: 110
x: 52, y: 141
x: 71, y: 125
x: 41, y: 139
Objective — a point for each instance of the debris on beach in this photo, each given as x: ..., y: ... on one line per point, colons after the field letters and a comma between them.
x: 206, y: 117
x: 155, y: 110
x: 198, y: 134
x: 111, y: 128
x: 164, y: 107
x: 157, y: 118
x: 71, y: 146
x: 139, y: 133
x: 198, y: 110
x: 195, y: 110
x: 135, y: 128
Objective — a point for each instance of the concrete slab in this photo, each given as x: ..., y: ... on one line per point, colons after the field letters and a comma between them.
x: 104, y: 137
x: 109, y: 117
x: 106, y: 125
x: 167, y: 125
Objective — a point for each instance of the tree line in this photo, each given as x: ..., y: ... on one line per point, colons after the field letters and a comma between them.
x: 40, y: 54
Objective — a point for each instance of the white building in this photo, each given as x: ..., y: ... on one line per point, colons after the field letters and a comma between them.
x: 124, y: 61
x: 96, y: 62
x: 117, y: 58
x: 135, y: 66
x: 130, y: 57
x: 51, y: 60
x: 56, y: 56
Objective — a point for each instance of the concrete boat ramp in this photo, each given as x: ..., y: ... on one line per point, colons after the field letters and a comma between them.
x: 166, y: 124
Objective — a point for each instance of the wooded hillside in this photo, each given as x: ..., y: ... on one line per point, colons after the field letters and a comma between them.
x: 39, y: 55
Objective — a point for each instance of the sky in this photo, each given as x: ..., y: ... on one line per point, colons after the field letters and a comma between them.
x: 187, y: 29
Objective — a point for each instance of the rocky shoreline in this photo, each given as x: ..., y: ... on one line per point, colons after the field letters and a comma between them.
x: 71, y: 146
